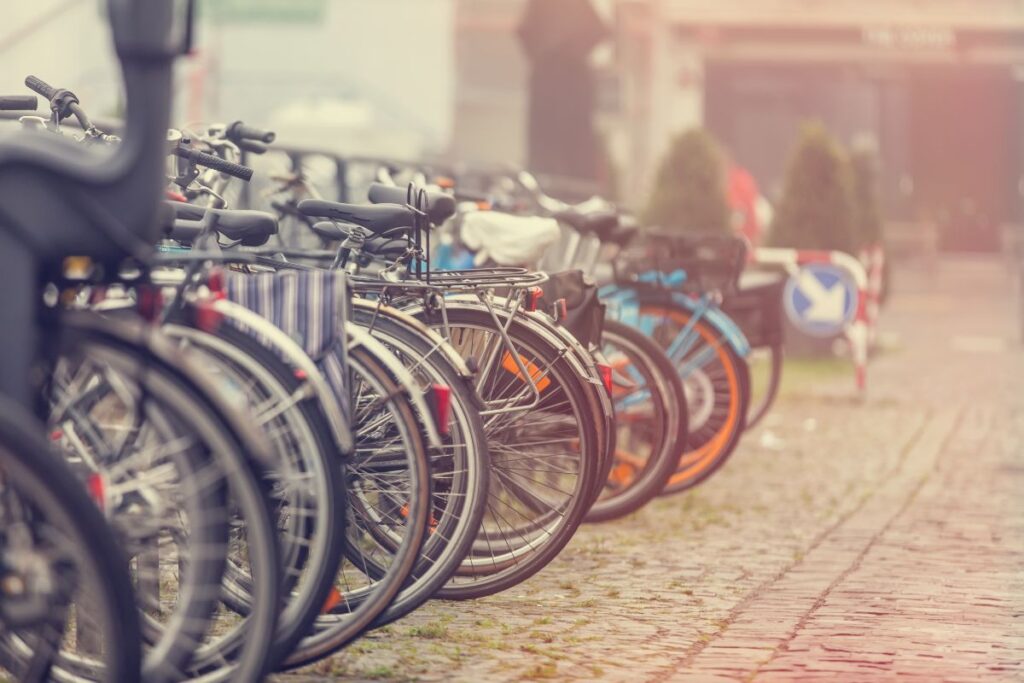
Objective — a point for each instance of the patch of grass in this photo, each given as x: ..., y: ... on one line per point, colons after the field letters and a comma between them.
x: 430, y: 631
x: 538, y: 650
x: 800, y: 375
x: 543, y: 621
x: 378, y: 672
x: 542, y: 670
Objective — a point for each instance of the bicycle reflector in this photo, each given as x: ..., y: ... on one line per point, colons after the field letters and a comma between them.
x: 533, y: 297
x: 605, y: 371
x: 207, y: 317
x: 97, y: 490
x: 216, y: 284
x: 561, y: 310
x: 149, y: 302
x: 441, y: 404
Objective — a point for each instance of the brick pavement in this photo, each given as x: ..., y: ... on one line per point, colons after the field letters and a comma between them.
x: 862, y: 541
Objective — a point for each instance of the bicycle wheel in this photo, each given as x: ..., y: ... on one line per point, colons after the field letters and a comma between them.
x: 459, y: 469
x: 308, y: 488
x: 544, y: 455
x: 388, y: 504
x: 61, y: 565
x: 151, y: 414
x: 651, y: 418
x: 717, y: 385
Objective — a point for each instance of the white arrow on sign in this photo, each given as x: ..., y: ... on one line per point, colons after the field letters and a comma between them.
x: 828, y: 304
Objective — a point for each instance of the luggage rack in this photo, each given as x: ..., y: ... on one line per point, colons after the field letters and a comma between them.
x: 497, y: 276
x: 469, y: 280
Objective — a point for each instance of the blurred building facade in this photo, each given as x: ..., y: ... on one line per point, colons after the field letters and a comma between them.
x: 937, y: 86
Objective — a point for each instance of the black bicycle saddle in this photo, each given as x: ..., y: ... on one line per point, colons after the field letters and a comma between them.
x: 376, y: 218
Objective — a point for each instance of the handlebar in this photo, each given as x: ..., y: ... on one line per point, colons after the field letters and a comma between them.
x: 63, y: 102
x: 40, y: 86
x: 252, y: 146
x: 214, y: 162
x: 238, y: 132
x: 18, y: 103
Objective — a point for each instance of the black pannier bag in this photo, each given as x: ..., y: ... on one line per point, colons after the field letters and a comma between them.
x: 711, y: 261
x: 756, y: 306
x: 582, y: 313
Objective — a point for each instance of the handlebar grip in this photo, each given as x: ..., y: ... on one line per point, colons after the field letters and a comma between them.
x: 18, y: 103
x: 238, y: 131
x: 252, y: 146
x: 40, y: 86
x: 216, y: 163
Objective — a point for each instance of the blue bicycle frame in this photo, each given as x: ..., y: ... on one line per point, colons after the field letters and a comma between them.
x: 624, y: 304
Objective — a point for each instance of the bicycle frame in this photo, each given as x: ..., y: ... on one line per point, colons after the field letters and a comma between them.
x: 624, y: 304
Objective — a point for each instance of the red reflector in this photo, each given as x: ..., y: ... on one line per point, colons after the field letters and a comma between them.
x: 215, y: 283
x: 561, y: 309
x: 606, y: 376
x: 533, y: 296
x: 150, y: 302
x: 176, y: 196
x: 300, y: 375
x: 96, y: 490
x: 442, y: 395
x: 208, y: 318
x: 334, y: 598
x: 56, y: 435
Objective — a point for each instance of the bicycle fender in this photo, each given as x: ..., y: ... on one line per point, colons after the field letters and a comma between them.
x: 624, y: 306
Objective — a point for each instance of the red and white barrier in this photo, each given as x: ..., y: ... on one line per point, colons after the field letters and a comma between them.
x: 857, y: 332
x: 873, y: 258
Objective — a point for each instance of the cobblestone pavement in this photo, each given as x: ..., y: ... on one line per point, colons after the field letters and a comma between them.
x: 845, y: 540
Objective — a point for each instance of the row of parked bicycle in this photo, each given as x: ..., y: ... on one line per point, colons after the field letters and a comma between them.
x: 233, y: 440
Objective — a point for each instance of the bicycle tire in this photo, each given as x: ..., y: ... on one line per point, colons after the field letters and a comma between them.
x: 478, y: 577
x: 323, y: 530
x: 332, y: 632
x: 440, y: 560
x: 242, y: 461
x: 55, y: 497
x: 650, y: 475
x: 707, y: 448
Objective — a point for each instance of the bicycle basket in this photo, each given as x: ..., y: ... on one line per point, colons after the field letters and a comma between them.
x: 710, y: 262
x: 756, y: 306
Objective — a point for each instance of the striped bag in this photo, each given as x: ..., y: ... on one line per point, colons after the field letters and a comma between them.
x: 310, y: 307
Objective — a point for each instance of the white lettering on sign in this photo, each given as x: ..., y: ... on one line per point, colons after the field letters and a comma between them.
x: 909, y: 37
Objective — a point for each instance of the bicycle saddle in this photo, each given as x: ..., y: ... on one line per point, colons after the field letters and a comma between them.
x: 601, y: 223
x: 439, y: 206
x: 251, y: 228
x: 376, y: 218
x: 329, y: 230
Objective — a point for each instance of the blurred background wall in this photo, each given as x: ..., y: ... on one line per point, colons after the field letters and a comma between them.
x: 935, y: 86
x: 365, y: 76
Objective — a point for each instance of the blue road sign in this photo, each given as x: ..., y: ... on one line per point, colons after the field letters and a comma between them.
x: 821, y: 300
